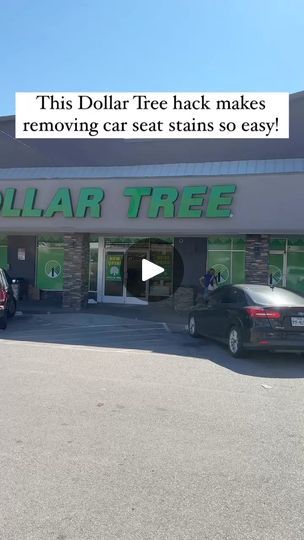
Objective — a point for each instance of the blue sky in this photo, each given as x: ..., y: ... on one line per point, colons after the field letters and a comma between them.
x: 150, y: 45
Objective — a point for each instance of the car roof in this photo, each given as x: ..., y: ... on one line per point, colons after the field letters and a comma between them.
x: 255, y: 287
x: 262, y: 288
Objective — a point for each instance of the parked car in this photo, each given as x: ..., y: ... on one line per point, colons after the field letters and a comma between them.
x: 251, y: 317
x: 7, y: 300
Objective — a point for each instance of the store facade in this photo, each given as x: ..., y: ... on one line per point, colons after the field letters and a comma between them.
x: 83, y: 234
x: 78, y: 216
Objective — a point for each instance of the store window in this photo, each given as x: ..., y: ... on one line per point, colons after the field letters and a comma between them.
x: 295, y: 264
x: 286, y: 262
x: 50, y: 261
x: 126, y: 241
x: 3, y: 252
x: 296, y: 243
x: 277, y: 244
x: 227, y: 256
x: 93, y: 264
x: 161, y: 253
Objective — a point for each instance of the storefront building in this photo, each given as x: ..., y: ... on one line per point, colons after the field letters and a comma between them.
x: 78, y: 217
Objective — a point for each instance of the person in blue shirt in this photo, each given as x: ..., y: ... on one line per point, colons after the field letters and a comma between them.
x: 208, y: 282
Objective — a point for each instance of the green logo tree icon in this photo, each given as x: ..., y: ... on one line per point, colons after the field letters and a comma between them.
x: 53, y: 269
x: 276, y: 274
x: 223, y: 272
x: 114, y: 271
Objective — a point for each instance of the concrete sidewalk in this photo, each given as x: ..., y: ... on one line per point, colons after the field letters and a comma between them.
x: 156, y: 312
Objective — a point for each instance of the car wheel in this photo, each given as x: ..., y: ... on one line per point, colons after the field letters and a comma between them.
x: 235, y: 342
x: 192, y: 326
x: 11, y: 308
x: 3, y: 321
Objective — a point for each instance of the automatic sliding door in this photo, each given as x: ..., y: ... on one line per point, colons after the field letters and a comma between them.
x: 136, y: 289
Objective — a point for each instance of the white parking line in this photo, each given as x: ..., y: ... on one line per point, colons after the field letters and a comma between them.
x: 166, y: 327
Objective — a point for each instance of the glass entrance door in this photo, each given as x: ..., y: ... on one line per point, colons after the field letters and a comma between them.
x: 122, y: 277
x: 136, y: 289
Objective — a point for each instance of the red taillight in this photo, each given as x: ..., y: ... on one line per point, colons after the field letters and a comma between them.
x: 3, y: 296
x: 256, y: 312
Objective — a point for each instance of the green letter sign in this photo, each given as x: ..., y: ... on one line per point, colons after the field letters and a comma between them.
x: 29, y: 203
x: 8, y: 204
x: 163, y: 202
x: 61, y: 202
x: 163, y: 197
x: 90, y: 198
x: 192, y: 196
x: 136, y: 194
x: 216, y: 200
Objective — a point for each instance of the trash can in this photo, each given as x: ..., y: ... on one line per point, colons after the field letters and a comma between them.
x: 19, y: 286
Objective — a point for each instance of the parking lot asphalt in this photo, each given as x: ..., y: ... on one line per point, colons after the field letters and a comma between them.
x: 113, y: 428
x: 84, y: 329
x: 113, y: 332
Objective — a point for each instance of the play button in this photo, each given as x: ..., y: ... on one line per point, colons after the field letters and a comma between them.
x: 150, y: 270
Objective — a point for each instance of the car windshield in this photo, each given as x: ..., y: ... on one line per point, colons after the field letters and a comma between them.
x: 274, y: 297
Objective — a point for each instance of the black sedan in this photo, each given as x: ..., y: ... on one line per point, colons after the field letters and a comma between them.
x: 251, y: 317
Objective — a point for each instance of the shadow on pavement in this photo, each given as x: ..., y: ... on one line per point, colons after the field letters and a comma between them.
x: 155, y: 311
x: 107, y: 331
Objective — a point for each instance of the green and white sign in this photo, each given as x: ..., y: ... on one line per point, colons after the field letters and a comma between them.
x: 198, y: 201
x: 222, y: 271
x: 50, y: 268
x: 230, y: 265
x: 221, y: 262
x: 53, y: 269
x: 114, y: 262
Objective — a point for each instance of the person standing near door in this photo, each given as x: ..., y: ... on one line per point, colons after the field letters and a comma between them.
x: 208, y: 282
